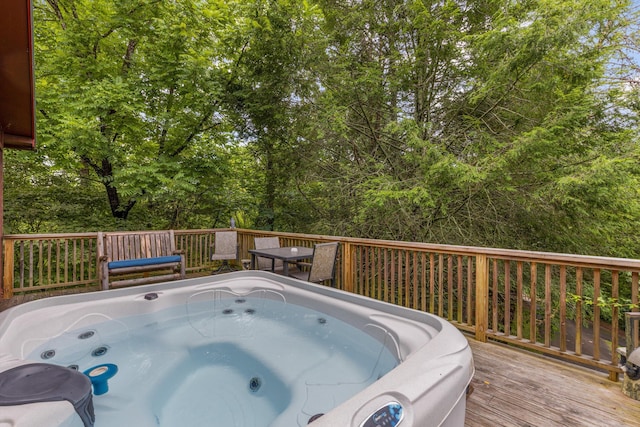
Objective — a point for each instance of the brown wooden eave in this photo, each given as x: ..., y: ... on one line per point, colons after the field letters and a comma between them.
x: 17, y: 89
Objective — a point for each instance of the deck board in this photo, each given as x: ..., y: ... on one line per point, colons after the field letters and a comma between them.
x: 512, y: 387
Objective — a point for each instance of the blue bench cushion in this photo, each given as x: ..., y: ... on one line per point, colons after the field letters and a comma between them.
x: 144, y: 261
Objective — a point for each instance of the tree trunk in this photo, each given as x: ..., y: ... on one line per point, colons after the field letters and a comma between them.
x: 105, y: 173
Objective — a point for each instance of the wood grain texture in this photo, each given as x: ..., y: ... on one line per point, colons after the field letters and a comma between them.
x: 513, y: 387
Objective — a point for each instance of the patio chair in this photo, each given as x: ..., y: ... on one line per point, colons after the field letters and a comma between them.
x: 225, y: 248
x: 323, y: 265
x: 266, y: 263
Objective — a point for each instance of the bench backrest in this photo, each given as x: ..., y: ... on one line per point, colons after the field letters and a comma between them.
x: 120, y: 246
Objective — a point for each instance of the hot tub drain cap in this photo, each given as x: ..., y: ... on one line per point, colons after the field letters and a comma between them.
x: 43, y: 382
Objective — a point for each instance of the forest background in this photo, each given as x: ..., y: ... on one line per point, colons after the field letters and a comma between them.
x: 500, y: 123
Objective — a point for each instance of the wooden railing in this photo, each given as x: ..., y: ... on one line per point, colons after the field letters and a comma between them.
x: 563, y: 305
x: 48, y: 261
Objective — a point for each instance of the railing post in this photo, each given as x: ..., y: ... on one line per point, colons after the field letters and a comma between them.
x: 482, y: 297
x: 7, y: 274
x: 347, y: 266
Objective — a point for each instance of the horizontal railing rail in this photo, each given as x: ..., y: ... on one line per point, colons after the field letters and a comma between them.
x: 568, y: 306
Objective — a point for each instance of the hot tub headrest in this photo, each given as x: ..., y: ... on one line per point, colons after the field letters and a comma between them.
x: 42, y: 382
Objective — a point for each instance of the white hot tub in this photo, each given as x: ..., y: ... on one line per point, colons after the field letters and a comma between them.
x: 244, y: 349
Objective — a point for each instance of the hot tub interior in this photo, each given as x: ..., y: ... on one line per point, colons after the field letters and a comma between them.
x: 247, y: 350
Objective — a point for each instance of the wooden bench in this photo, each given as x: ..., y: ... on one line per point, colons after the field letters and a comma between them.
x: 138, y: 252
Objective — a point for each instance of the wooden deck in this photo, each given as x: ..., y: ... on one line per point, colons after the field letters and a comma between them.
x: 513, y: 387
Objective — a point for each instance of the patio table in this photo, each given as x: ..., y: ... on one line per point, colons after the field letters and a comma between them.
x: 287, y: 254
